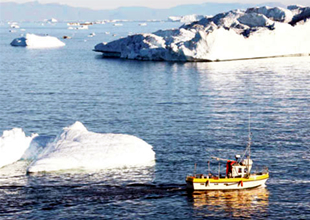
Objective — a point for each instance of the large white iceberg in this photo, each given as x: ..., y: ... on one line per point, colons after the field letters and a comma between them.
x: 239, y: 34
x: 35, y: 41
x: 77, y: 148
x: 13, y: 144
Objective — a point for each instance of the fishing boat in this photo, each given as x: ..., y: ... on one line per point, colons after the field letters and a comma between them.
x: 238, y: 175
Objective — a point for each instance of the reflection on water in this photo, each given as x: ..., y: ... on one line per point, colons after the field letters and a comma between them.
x: 237, y: 204
x: 15, y: 174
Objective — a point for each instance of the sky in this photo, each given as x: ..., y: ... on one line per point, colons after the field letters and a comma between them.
x: 112, y: 4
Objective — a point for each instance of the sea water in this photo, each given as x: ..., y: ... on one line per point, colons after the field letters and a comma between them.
x: 188, y: 112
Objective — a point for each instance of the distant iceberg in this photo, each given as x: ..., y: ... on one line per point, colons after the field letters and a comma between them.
x: 35, y: 41
x: 186, y: 18
x: 239, y: 34
x: 13, y: 144
x: 52, y: 20
x: 14, y: 25
x: 77, y: 148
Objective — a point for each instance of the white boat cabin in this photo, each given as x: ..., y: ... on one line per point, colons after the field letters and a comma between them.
x: 237, y: 170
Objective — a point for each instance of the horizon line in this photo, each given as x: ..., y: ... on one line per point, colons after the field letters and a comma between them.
x: 213, y: 2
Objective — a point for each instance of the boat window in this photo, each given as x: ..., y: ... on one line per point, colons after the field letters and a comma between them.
x: 240, y: 170
x: 245, y: 170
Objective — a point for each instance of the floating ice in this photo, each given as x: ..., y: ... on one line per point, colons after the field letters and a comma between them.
x: 13, y: 144
x: 174, y: 18
x: 14, y: 25
x: 35, y: 41
x: 239, y: 34
x: 52, y: 20
x: 77, y: 148
x: 186, y: 18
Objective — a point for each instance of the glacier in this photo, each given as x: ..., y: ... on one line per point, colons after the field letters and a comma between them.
x: 36, y: 41
x: 76, y: 148
x: 13, y: 144
x: 259, y: 32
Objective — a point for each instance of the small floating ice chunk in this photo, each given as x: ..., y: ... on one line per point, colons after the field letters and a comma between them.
x: 14, y: 25
x: 52, y: 20
x: 78, y: 148
x: 13, y: 144
x: 35, y: 41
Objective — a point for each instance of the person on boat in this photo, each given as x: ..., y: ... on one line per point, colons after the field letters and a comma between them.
x: 229, y: 167
x: 229, y: 164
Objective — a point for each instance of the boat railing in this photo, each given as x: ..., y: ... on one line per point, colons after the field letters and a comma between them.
x: 207, y: 176
x: 261, y: 170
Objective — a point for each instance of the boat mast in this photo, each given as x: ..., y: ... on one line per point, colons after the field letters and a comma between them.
x: 250, y: 138
x: 249, y: 144
x: 248, y: 147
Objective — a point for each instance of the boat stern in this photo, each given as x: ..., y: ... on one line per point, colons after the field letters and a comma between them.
x: 190, y: 183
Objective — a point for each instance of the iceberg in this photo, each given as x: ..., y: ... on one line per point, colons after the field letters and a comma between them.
x: 259, y: 32
x: 13, y: 144
x: 52, y: 20
x: 35, y: 41
x: 174, y: 18
x: 77, y: 148
x: 186, y: 18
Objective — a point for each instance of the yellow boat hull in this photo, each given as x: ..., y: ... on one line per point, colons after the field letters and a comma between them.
x: 204, y: 183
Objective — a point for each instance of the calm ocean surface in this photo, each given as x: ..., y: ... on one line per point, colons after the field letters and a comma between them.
x: 188, y: 112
